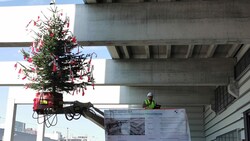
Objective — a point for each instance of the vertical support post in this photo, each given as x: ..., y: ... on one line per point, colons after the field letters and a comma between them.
x: 67, y: 134
x: 247, y: 124
x: 10, y: 121
x: 40, y: 128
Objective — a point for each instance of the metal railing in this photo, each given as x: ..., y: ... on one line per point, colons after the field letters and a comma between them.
x: 243, y: 65
x: 233, y: 135
x: 222, y: 98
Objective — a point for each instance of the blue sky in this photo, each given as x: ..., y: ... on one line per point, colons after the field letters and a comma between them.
x: 24, y: 112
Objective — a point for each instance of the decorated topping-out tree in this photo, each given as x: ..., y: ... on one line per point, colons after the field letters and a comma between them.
x: 55, y: 64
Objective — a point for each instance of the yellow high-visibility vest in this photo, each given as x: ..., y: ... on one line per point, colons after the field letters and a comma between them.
x: 150, y: 105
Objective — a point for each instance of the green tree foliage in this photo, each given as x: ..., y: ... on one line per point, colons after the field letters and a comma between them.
x: 53, y: 65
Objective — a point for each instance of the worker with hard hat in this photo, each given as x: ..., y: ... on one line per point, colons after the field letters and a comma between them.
x: 149, y: 103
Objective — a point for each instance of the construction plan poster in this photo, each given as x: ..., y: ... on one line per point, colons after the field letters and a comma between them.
x: 146, y: 125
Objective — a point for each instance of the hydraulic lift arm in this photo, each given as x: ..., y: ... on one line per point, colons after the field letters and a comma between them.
x: 85, y: 109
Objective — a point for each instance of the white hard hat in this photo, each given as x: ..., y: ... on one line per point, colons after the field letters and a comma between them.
x: 150, y: 94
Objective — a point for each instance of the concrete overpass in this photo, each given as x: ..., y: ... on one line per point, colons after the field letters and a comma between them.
x: 181, y: 50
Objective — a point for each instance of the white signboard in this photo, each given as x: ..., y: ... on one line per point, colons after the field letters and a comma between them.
x: 146, y: 125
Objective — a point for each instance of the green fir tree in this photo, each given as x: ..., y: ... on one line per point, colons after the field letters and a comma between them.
x: 53, y: 66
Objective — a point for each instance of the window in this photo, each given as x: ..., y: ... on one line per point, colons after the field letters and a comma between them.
x: 242, y: 65
x: 247, y: 124
x: 222, y: 98
x: 230, y: 136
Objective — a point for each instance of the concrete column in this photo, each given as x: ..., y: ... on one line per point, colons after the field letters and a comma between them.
x: 40, y: 129
x: 10, y: 121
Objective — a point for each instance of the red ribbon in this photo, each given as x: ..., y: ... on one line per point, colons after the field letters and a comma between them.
x: 74, y: 39
x: 24, y: 78
x: 15, y: 66
x: 81, y: 76
x: 27, y: 86
x: 83, y: 93
x: 30, y: 60
x: 20, y: 70
x: 54, y: 66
